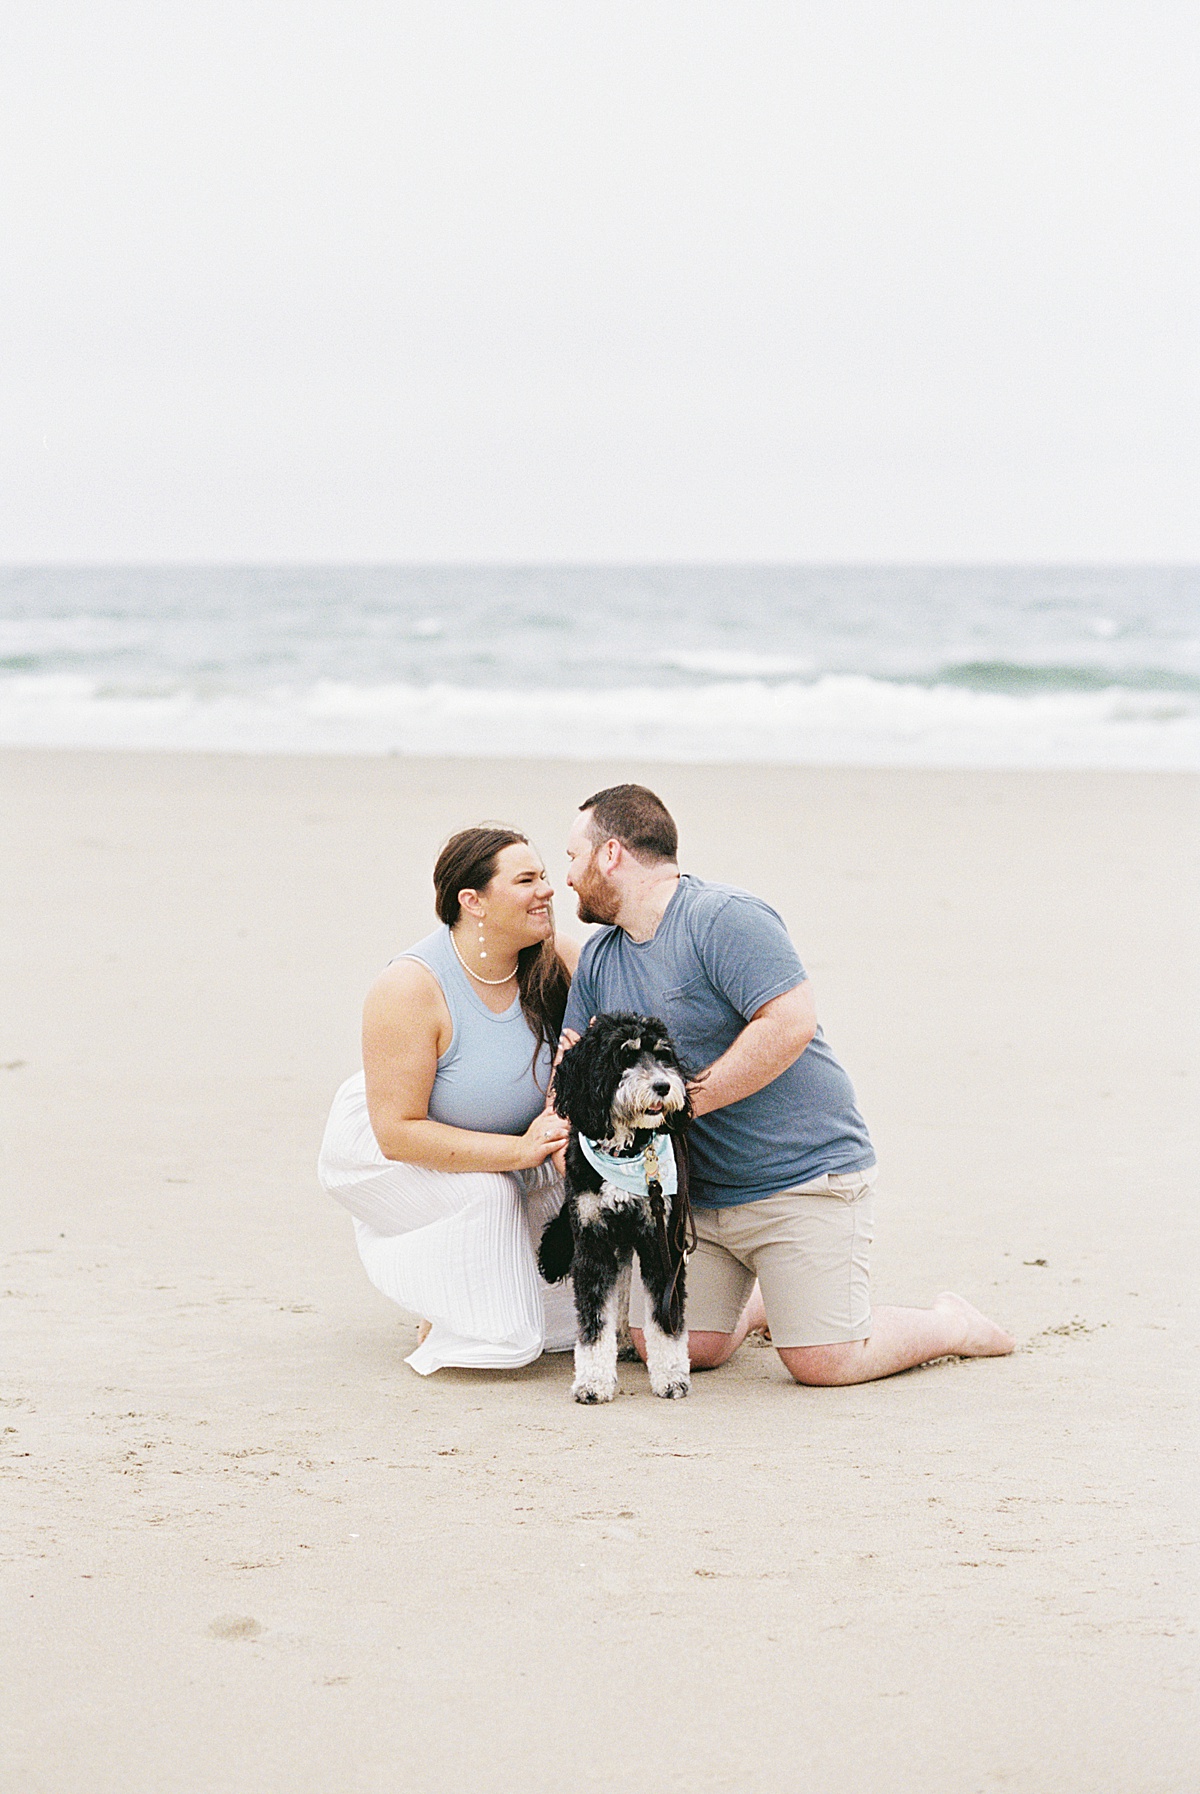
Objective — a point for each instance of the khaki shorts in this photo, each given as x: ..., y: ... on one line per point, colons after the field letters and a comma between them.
x: 808, y: 1247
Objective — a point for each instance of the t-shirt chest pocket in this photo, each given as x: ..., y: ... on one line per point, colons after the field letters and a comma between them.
x: 701, y: 1023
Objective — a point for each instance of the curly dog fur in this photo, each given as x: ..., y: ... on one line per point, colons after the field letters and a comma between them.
x: 621, y: 1086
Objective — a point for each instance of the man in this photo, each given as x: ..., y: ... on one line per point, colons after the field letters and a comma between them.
x: 782, y: 1164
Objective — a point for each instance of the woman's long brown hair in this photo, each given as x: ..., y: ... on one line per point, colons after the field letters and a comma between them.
x: 468, y: 863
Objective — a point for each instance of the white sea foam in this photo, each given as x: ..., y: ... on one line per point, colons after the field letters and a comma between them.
x: 836, y: 720
x: 724, y: 663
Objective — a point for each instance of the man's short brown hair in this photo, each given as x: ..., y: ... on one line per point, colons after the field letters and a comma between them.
x: 634, y: 816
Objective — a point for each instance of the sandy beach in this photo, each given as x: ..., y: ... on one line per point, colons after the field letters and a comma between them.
x: 246, y: 1547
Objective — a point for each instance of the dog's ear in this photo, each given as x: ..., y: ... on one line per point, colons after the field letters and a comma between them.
x: 557, y: 1250
x: 682, y: 1238
x: 582, y: 1091
x: 680, y: 1120
x: 565, y: 1078
x: 683, y: 1176
x: 663, y: 1048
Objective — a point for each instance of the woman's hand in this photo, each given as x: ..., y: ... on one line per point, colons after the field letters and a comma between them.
x: 547, y: 1133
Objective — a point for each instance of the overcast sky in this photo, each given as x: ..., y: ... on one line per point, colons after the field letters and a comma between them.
x: 662, y: 280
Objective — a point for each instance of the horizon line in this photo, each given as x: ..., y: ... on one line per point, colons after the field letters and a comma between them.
x: 505, y: 564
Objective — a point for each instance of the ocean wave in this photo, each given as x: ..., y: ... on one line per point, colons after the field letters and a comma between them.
x: 218, y: 631
x: 834, y: 720
x: 727, y: 663
x: 1019, y: 678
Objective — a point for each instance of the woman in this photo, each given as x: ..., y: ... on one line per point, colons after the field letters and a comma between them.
x: 439, y: 1147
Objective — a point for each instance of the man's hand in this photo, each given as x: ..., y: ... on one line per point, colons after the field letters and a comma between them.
x: 773, y: 1038
x: 697, y: 1090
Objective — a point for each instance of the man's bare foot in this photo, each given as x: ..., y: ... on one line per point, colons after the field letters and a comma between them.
x: 981, y: 1338
x: 424, y: 1329
x: 754, y: 1313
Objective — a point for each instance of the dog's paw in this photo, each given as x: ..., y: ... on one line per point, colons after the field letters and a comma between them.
x: 675, y: 1389
x: 592, y: 1392
x: 627, y: 1354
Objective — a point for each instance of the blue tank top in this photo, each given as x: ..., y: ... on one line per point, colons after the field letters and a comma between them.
x: 486, y: 1076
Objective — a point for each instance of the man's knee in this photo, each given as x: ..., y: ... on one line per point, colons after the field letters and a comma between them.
x: 824, y: 1366
x: 705, y: 1350
x: 708, y: 1350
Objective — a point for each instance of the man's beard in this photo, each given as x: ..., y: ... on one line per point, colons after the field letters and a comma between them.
x: 598, y: 902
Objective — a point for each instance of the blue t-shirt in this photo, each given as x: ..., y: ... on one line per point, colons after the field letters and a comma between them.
x: 718, y: 955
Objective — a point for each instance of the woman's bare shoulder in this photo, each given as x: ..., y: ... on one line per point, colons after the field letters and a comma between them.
x: 405, y: 989
x: 405, y: 1012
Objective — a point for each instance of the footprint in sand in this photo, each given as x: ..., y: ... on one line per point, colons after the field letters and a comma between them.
x: 234, y: 1626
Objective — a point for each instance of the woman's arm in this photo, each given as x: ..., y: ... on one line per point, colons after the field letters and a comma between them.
x: 406, y: 1027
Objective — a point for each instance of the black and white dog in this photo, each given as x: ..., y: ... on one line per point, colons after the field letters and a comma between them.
x: 623, y: 1091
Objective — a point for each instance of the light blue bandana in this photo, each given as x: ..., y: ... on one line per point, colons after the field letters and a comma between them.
x: 633, y: 1174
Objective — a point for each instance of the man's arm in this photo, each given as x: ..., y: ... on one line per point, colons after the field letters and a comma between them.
x: 773, y: 1038
x: 579, y: 998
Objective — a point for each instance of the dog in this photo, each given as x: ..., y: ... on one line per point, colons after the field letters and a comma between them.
x: 625, y: 1094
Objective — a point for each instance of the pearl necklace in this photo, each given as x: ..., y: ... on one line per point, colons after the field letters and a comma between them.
x: 470, y: 974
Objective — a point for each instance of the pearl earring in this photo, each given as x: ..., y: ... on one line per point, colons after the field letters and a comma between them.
x: 482, y: 948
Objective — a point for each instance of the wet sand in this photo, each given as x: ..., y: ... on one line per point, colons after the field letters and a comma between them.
x: 245, y: 1546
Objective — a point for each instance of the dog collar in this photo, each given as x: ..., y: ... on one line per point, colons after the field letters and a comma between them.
x: 655, y: 1164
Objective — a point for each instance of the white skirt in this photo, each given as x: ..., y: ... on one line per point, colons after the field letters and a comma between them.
x: 454, y: 1247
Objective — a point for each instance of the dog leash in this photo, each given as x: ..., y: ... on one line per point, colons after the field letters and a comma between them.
x: 657, y: 1183
x: 683, y: 1223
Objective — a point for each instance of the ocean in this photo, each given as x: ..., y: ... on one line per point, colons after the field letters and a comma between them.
x: 1011, y: 667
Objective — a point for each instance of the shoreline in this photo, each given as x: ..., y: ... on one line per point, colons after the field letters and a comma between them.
x: 616, y: 759
x: 877, y: 730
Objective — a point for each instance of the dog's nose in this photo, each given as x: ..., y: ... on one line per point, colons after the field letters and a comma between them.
x: 661, y: 1089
